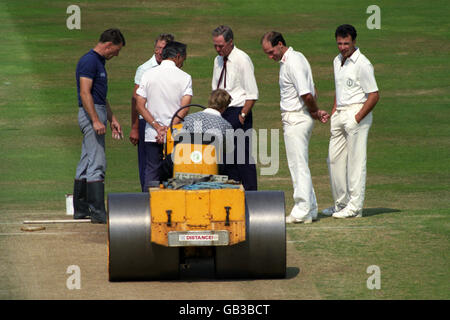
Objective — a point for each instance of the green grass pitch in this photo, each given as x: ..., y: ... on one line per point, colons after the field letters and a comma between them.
x: 406, y: 228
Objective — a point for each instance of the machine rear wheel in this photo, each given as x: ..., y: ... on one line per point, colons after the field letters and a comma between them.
x: 131, y: 254
x: 263, y: 254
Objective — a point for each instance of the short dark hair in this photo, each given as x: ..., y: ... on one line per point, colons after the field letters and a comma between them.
x: 172, y: 49
x: 112, y: 35
x: 345, y: 30
x: 167, y: 37
x: 273, y: 37
x: 224, y: 31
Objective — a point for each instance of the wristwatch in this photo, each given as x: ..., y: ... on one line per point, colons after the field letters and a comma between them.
x: 243, y: 115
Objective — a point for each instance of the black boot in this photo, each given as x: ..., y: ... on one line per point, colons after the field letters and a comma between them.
x: 80, y: 205
x: 96, y: 201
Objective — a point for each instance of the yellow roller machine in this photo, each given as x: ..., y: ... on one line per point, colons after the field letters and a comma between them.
x: 197, y: 214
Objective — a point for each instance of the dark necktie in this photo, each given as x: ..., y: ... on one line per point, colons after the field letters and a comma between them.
x: 223, y: 74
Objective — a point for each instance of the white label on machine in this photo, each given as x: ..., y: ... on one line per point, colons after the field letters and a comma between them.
x: 196, y: 156
x: 198, y: 237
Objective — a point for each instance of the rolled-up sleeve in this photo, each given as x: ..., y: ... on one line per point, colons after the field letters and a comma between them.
x: 188, y: 88
x: 142, y: 90
x: 249, y: 80
x: 367, y: 78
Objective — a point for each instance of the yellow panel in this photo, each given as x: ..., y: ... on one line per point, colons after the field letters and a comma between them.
x: 197, y: 208
x: 169, y: 138
x: 195, y: 158
x: 233, y: 198
x: 168, y: 199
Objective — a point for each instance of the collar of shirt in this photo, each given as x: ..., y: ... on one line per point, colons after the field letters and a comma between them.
x: 212, y: 111
x: 286, y: 55
x: 355, y: 55
x: 101, y: 58
x: 168, y: 63
x: 231, y: 55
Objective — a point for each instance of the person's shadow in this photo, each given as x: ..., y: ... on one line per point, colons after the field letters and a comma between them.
x: 367, y: 212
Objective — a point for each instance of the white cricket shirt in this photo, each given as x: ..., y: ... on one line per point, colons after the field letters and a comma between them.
x: 240, y: 77
x: 354, y: 80
x: 295, y: 80
x: 163, y: 86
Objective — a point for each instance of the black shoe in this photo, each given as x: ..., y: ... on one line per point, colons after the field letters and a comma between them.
x: 80, y: 205
x: 96, y: 201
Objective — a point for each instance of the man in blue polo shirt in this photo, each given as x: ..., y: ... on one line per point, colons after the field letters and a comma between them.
x: 93, y: 114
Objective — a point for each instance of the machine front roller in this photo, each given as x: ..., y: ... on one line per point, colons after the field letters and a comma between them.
x: 263, y: 254
x: 131, y: 254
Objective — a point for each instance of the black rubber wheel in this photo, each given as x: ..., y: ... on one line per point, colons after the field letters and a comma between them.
x: 263, y: 254
x: 131, y: 254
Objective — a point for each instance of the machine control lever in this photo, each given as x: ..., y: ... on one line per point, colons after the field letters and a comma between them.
x: 227, y: 221
x: 169, y: 218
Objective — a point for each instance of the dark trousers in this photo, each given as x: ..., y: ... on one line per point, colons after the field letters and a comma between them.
x: 142, y: 157
x: 154, y: 154
x: 244, y: 172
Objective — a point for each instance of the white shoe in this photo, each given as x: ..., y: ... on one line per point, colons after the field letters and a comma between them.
x: 347, y: 213
x: 291, y: 219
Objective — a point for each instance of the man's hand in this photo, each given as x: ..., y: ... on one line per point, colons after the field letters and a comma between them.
x: 241, y: 120
x: 99, y: 127
x: 321, y: 115
x: 161, y: 130
x: 134, y: 136
x: 116, y: 130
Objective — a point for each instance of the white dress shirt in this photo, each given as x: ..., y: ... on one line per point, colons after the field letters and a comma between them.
x: 354, y: 80
x: 151, y: 63
x: 163, y: 86
x: 295, y: 80
x: 240, y: 77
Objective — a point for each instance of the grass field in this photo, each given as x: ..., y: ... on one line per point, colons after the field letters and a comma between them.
x: 406, y: 226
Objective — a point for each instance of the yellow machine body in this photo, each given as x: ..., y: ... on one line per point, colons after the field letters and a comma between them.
x: 195, y: 158
x: 197, y: 210
x: 211, y: 216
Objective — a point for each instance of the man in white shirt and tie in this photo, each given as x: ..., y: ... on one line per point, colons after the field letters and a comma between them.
x: 356, y: 96
x: 298, y: 110
x: 234, y: 72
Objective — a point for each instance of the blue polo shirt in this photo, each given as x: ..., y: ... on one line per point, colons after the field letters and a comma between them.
x: 92, y: 66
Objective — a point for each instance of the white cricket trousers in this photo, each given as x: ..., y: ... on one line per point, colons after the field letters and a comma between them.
x: 347, y: 157
x: 297, y: 128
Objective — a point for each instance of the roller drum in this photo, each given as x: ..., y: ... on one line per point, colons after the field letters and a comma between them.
x: 263, y: 254
x: 131, y: 254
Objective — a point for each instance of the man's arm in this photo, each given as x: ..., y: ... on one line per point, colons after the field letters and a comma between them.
x: 313, y: 109
x: 333, y: 110
x: 88, y: 104
x: 250, y: 86
x: 134, y: 133
x: 140, y: 107
x: 368, y: 106
x: 185, y: 100
x: 115, y: 126
x: 248, y: 105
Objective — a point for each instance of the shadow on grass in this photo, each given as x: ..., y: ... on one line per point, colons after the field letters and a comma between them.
x: 375, y: 211
x: 199, y: 270
x: 370, y: 212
